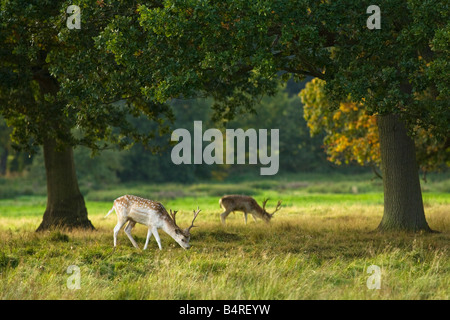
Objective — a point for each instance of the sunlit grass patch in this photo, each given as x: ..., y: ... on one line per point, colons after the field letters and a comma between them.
x: 318, y: 246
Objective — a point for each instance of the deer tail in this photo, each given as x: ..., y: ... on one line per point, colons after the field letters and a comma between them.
x: 109, y: 212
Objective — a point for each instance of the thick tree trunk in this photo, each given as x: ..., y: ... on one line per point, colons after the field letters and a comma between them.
x: 65, y: 203
x: 403, y: 206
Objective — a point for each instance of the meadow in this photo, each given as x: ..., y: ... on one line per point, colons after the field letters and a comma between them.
x: 320, y: 245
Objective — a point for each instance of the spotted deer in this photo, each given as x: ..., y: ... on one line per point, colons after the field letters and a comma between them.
x: 247, y: 205
x: 133, y: 209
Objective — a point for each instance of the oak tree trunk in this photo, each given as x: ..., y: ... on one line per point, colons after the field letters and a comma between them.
x: 65, y: 203
x: 403, y: 206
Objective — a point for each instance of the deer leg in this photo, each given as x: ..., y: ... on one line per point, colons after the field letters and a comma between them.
x: 149, y: 234
x: 117, y: 228
x: 224, y: 215
x: 127, y: 230
x: 245, y: 217
x: 158, y: 240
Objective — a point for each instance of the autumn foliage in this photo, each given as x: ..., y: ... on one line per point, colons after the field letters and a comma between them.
x: 351, y: 134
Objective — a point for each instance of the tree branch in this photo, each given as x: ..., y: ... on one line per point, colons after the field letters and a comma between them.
x: 305, y: 72
x: 375, y: 171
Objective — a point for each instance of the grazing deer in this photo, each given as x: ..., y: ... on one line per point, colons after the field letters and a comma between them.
x: 134, y: 210
x: 247, y: 205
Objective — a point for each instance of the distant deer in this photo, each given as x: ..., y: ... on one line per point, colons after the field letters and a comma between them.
x: 134, y: 210
x: 247, y: 205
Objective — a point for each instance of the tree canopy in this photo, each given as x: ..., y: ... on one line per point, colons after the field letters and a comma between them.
x: 147, y: 53
x: 56, y: 82
x: 234, y: 49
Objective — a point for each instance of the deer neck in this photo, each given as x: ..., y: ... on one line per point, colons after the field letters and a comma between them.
x: 169, y: 227
x: 264, y: 214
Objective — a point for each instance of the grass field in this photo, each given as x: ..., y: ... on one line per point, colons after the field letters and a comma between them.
x: 319, y: 246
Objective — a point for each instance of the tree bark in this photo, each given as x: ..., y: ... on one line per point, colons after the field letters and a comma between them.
x: 65, y: 203
x: 403, y: 206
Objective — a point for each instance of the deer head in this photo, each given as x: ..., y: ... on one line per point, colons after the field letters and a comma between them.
x: 182, y: 237
x: 276, y: 209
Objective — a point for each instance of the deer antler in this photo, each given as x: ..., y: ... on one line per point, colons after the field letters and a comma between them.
x: 277, y: 208
x: 196, y: 212
x: 264, y: 203
x: 172, y: 214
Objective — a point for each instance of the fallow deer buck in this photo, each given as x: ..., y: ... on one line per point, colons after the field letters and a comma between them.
x: 247, y: 205
x: 134, y: 210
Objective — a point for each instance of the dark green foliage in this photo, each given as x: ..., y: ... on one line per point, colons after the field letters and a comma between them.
x: 51, y: 85
x: 7, y: 262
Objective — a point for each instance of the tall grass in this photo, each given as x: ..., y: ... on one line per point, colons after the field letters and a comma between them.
x: 311, y: 250
x: 319, y: 246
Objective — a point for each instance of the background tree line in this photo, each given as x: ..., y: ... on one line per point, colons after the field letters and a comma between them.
x: 305, y: 145
x: 299, y: 152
